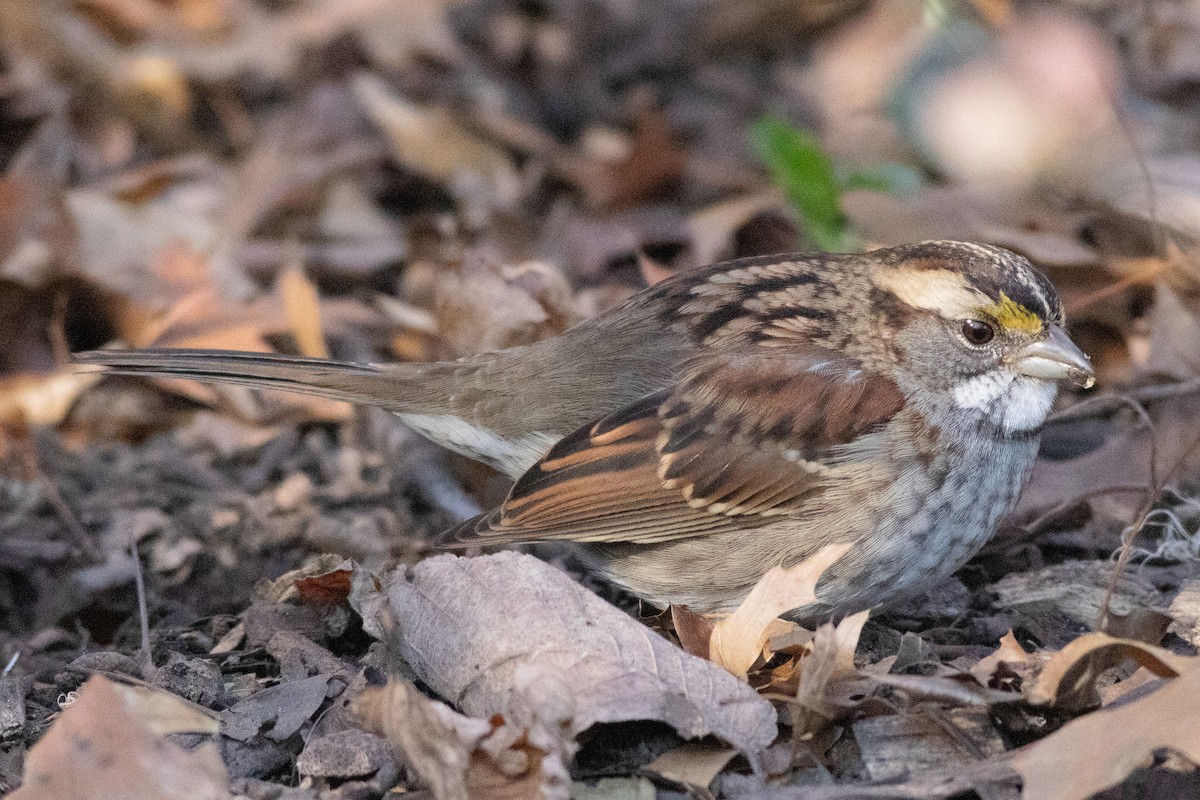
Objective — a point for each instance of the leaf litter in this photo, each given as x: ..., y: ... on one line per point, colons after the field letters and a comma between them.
x: 385, y: 180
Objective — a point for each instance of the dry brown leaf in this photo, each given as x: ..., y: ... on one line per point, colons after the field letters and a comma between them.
x: 1106, y: 473
x: 825, y: 673
x: 781, y: 638
x: 692, y: 764
x: 1010, y: 656
x: 329, y: 589
x: 41, y: 399
x: 712, y: 228
x: 1101, y: 749
x: 737, y: 640
x: 998, y: 13
x: 201, y: 315
x: 430, y: 141
x: 694, y: 630
x: 1068, y: 679
x: 164, y: 713
x: 122, y: 244
x: 1013, y: 218
x: 469, y: 627
x: 100, y: 748
x: 486, y: 304
x: 143, y: 86
x: 462, y: 758
x: 655, y: 161
x: 1175, y: 318
x: 302, y: 306
x: 652, y: 271
x: 285, y: 588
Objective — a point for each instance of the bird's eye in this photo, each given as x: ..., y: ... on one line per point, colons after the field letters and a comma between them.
x: 976, y: 332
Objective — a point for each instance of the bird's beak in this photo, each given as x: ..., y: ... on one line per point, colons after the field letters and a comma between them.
x: 1055, y: 358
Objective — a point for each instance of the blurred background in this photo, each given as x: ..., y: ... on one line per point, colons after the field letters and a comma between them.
x: 416, y: 179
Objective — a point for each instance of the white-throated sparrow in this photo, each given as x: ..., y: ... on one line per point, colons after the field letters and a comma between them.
x: 740, y: 416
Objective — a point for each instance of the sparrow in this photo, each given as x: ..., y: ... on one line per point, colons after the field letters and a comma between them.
x: 741, y: 416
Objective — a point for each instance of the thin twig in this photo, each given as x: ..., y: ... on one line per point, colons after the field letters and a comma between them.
x: 49, y: 492
x: 145, y: 656
x: 1104, y: 404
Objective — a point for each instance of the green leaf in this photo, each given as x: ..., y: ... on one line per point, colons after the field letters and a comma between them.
x: 800, y: 168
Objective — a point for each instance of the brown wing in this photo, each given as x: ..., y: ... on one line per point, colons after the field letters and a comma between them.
x: 726, y: 448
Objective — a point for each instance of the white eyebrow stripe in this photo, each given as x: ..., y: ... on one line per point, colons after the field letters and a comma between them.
x: 939, y: 290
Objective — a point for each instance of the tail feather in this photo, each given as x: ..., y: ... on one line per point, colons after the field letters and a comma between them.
x: 368, y: 384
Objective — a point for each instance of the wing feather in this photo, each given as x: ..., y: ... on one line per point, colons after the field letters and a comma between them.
x: 725, y: 448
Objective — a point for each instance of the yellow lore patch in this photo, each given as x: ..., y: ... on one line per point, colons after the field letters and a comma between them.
x: 1013, y: 316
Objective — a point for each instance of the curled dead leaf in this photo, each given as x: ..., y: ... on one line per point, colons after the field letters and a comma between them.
x: 827, y: 674
x: 1068, y: 679
x: 737, y: 640
x: 1009, y: 657
x: 1099, y: 750
x: 463, y: 758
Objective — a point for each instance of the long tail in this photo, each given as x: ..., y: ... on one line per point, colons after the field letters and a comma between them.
x: 389, y: 387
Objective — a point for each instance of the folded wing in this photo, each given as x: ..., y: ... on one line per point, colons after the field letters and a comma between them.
x: 724, y: 449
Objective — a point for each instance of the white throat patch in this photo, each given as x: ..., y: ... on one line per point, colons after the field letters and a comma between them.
x: 1016, y: 403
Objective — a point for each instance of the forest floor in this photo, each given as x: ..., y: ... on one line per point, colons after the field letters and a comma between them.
x: 201, y: 590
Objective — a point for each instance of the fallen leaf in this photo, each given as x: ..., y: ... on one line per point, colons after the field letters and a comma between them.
x: 100, y: 748
x: 330, y: 589
x: 277, y: 711
x: 654, y: 163
x: 37, y: 400
x: 120, y: 243
x: 486, y: 304
x: 468, y: 626
x: 303, y: 309
x: 433, y: 143
x: 1068, y: 679
x: 737, y: 640
x: 1010, y: 217
x: 692, y: 764
x: 1009, y: 656
x: 462, y: 758
x: 165, y: 713
x: 825, y: 673
x: 652, y: 272
x: 1114, y: 474
x: 1099, y: 750
x: 1079, y: 590
x: 694, y: 630
x: 781, y: 637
